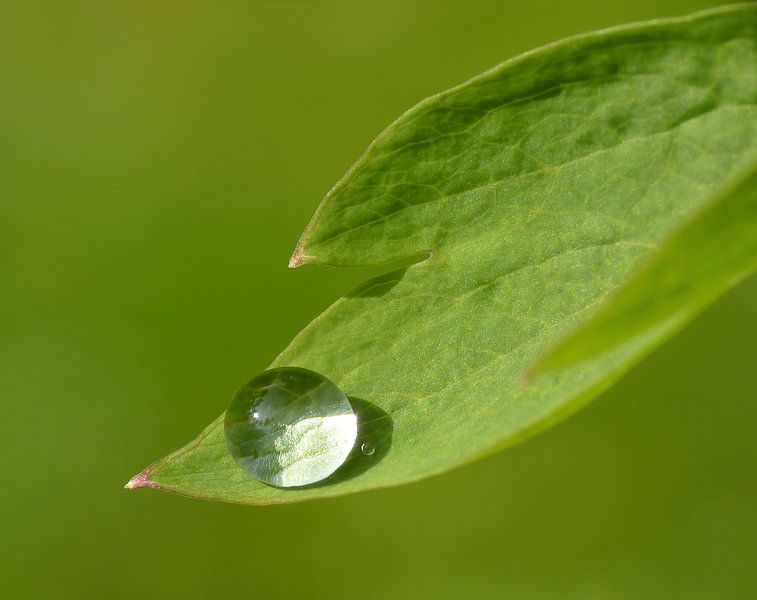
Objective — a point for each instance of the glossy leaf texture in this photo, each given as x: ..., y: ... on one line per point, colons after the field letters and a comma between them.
x: 537, y: 190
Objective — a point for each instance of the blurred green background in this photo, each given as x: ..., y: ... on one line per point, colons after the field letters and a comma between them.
x: 158, y: 161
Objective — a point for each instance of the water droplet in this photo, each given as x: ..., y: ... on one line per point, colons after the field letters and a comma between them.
x: 290, y: 427
x: 367, y: 448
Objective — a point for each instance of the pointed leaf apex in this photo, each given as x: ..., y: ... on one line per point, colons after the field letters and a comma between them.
x: 298, y: 258
x: 140, y: 480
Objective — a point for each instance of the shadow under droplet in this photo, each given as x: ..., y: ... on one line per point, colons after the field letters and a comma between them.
x: 374, y: 437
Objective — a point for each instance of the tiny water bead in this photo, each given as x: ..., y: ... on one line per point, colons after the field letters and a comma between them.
x: 290, y: 427
x: 367, y: 448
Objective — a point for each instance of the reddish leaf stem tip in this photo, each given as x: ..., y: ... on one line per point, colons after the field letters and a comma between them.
x: 298, y: 258
x: 140, y: 480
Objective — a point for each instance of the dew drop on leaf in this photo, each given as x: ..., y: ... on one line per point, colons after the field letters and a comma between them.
x: 290, y: 427
x: 367, y: 448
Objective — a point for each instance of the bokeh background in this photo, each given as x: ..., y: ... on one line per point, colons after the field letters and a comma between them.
x: 158, y: 161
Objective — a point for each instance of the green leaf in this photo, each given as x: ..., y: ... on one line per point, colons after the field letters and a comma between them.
x: 706, y: 257
x: 538, y: 189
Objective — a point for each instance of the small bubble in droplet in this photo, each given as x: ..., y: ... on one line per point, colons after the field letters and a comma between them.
x: 367, y: 448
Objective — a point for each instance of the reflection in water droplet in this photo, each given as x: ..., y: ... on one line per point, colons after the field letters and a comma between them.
x: 290, y: 427
x: 367, y: 448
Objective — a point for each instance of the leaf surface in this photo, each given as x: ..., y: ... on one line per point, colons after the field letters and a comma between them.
x: 707, y: 256
x: 537, y: 189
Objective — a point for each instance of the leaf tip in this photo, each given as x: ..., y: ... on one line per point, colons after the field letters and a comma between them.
x: 140, y: 480
x: 298, y: 258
